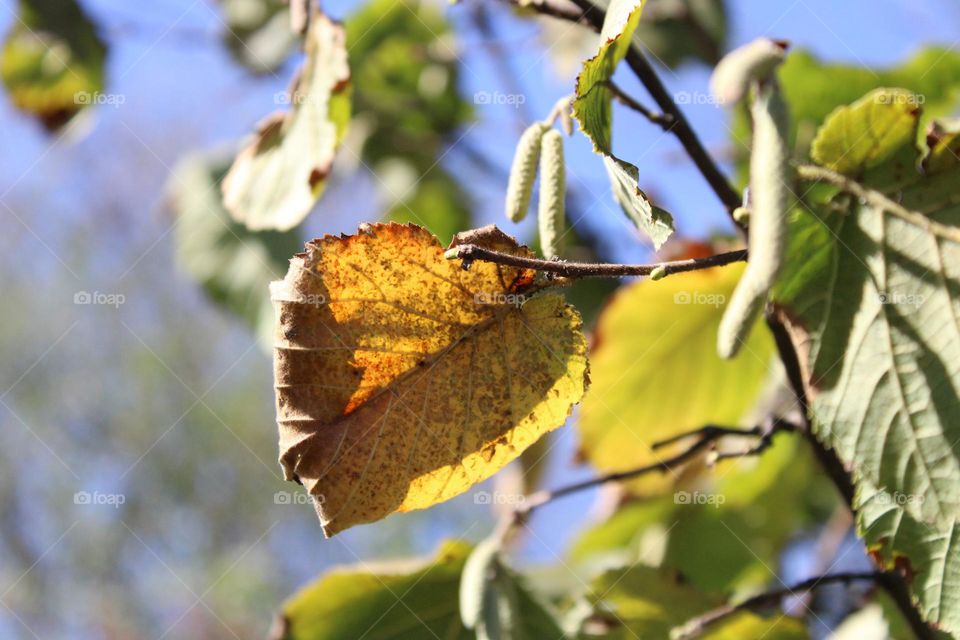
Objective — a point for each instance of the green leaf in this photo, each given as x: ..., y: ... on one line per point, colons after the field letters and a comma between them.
x: 258, y: 33
x: 862, y: 135
x: 623, y: 178
x: 52, y: 60
x: 488, y: 596
x: 871, y: 301
x: 394, y: 601
x: 233, y: 264
x: 654, y: 372
x: 278, y: 177
x: 594, y: 112
x: 404, y: 58
x: 643, y: 602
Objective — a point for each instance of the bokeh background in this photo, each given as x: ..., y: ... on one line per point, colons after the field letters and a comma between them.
x: 159, y: 408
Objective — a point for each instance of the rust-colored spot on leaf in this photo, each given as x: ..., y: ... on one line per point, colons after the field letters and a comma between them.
x: 903, y: 566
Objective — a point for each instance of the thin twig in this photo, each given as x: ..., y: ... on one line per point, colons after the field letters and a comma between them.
x: 768, y: 599
x: 664, y: 120
x: 764, y: 433
x: 471, y: 252
x: 877, y: 199
x: 712, y: 431
x: 708, y: 436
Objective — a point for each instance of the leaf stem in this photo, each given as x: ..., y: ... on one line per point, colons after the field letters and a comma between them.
x: 877, y: 199
x: 471, y: 252
x: 698, y: 625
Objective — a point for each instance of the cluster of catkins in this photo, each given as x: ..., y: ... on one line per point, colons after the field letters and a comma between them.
x: 541, y: 144
x: 746, y: 71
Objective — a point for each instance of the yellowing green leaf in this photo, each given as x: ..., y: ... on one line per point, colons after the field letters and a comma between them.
x: 859, y: 136
x: 872, y: 304
x: 403, y: 379
x: 655, y: 372
x: 398, y: 600
x: 52, y: 60
x: 278, y: 177
x: 593, y: 110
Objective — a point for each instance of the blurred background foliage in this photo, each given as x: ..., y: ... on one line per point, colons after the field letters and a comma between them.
x: 120, y: 120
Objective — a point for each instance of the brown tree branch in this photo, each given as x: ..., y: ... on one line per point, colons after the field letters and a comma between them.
x: 471, y: 252
x: 769, y: 599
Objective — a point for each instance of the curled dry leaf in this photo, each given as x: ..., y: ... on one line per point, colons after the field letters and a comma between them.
x: 277, y: 178
x: 403, y: 379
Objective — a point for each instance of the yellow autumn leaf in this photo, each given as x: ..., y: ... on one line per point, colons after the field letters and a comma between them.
x: 403, y: 379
